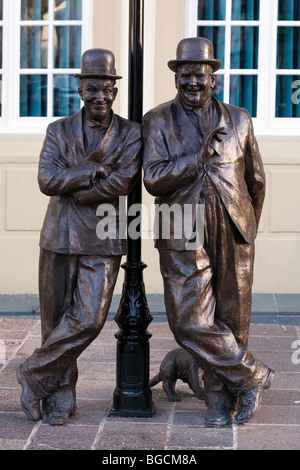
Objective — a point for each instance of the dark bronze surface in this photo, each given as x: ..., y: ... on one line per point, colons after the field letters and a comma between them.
x: 179, y: 364
x: 88, y: 159
x: 199, y: 151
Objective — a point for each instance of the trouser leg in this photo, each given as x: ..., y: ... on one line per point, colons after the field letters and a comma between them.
x: 79, y: 325
x: 57, y: 281
x: 232, y: 266
x: 190, y: 306
x: 232, y: 281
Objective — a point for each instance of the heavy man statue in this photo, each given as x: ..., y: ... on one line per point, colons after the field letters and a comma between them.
x: 199, y: 152
x: 87, y: 159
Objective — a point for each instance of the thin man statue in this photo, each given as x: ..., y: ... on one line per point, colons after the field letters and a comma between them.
x: 86, y: 160
x: 199, y: 152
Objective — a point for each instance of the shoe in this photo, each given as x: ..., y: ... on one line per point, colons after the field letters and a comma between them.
x: 217, y: 415
x: 250, y: 402
x: 58, y: 417
x: 58, y: 408
x: 29, y: 401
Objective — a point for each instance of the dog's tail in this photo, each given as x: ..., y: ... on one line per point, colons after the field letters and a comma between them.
x: 155, y: 380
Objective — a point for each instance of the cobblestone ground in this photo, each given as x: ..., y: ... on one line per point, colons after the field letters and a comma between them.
x: 174, y: 426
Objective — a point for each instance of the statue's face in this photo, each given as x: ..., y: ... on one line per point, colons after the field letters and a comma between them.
x: 98, y: 95
x: 194, y: 83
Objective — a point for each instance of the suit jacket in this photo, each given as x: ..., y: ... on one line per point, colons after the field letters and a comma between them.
x: 172, y: 173
x: 71, y: 220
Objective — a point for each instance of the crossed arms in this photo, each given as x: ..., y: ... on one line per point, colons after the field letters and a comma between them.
x: 90, y: 181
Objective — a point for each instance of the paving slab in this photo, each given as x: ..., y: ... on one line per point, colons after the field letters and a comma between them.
x: 174, y: 427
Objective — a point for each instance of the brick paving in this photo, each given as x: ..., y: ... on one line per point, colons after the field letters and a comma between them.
x: 174, y: 426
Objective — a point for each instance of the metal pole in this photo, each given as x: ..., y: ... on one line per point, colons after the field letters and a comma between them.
x: 132, y: 395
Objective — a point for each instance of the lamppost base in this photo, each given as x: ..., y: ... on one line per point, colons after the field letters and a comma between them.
x: 140, y: 406
x: 132, y: 395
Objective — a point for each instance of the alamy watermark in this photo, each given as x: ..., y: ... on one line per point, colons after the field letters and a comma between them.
x: 296, y: 94
x: 161, y: 221
x: 2, y: 352
x: 296, y: 353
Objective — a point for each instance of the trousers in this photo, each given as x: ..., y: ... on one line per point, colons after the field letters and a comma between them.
x: 75, y: 296
x: 208, y: 303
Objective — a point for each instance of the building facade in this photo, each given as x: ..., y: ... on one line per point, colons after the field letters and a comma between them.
x: 41, y: 42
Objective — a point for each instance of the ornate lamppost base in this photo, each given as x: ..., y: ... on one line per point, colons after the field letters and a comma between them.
x: 132, y: 395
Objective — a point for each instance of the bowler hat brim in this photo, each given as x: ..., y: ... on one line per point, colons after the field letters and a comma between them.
x: 214, y: 63
x: 82, y: 76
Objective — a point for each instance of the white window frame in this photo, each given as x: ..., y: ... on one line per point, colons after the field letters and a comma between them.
x: 3, y: 71
x: 265, y: 123
x: 11, y: 122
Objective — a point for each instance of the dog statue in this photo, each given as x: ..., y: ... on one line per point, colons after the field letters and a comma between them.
x: 179, y: 364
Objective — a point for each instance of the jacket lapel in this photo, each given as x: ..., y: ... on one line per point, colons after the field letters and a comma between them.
x: 226, y: 123
x: 189, y: 136
x: 74, y: 138
x: 184, y: 127
x: 109, y: 143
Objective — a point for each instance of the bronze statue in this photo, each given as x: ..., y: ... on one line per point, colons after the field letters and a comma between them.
x: 87, y: 159
x: 199, y: 152
x: 179, y: 364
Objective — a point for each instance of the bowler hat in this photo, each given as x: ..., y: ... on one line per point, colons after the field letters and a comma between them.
x: 97, y: 63
x: 195, y: 50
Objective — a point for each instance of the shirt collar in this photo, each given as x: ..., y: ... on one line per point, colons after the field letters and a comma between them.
x: 102, y: 125
x: 194, y: 109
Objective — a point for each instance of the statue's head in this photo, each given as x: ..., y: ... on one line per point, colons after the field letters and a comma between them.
x: 194, y: 69
x: 97, y: 82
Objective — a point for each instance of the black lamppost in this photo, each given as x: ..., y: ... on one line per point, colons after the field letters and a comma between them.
x: 132, y: 395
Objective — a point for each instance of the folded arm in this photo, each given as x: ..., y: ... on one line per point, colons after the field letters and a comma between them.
x: 56, y: 177
x: 121, y: 175
x: 163, y: 171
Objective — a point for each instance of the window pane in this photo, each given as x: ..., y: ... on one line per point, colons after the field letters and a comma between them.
x: 288, y: 51
x: 217, y: 36
x: 33, y: 95
x: 288, y: 96
x: 34, y: 47
x: 288, y: 10
x: 218, y: 91
x: 34, y: 10
x: 243, y: 92
x: 212, y: 10
x: 1, y: 47
x: 0, y: 95
x: 68, y: 9
x: 245, y: 10
x: 66, y: 98
x: 244, y: 47
x: 67, y: 46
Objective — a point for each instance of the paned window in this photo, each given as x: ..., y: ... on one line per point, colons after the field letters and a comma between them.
x: 1, y: 54
x: 288, y: 58
x: 258, y: 44
x: 49, y: 38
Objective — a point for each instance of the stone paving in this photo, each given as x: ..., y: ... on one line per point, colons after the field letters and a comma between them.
x: 174, y: 426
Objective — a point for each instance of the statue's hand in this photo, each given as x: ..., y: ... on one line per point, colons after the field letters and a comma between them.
x: 102, y: 170
x: 207, y: 150
x: 61, y: 162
